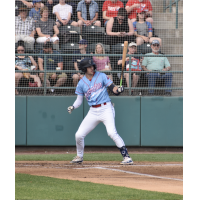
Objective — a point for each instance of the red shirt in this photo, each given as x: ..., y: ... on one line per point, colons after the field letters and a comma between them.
x: 112, y: 8
x: 145, y: 3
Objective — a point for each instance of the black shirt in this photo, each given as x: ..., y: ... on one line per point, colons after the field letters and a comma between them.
x: 88, y: 12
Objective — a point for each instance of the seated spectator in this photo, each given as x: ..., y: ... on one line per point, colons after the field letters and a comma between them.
x: 155, y: 64
x: 52, y: 63
x: 102, y: 62
x: 63, y: 14
x: 46, y: 28
x: 24, y: 27
x: 87, y: 13
x: 77, y: 59
x: 35, y: 12
x: 25, y: 63
x: 133, y: 5
x: 143, y: 29
x: 25, y: 4
x: 110, y: 9
x: 135, y: 66
x: 120, y: 28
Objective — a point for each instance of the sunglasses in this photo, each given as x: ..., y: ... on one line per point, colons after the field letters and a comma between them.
x: 20, y: 50
x: 120, y: 19
x: 156, y: 45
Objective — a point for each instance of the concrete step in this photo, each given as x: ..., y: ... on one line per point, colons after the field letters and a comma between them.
x: 169, y: 33
x: 167, y: 17
x: 172, y: 51
x: 175, y: 60
x: 177, y: 93
x: 176, y: 67
x: 174, y: 41
x: 167, y: 25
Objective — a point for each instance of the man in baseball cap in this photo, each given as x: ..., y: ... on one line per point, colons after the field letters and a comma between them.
x: 77, y: 59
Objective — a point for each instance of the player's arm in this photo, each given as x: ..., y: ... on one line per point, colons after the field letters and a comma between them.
x: 76, y: 104
x: 115, y: 89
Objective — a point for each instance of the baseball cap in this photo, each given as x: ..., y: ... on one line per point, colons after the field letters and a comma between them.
x: 155, y: 42
x: 141, y: 9
x: 83, y: 41
x: 48, y: 45
x: 132, y: 44
x: 36, y: 1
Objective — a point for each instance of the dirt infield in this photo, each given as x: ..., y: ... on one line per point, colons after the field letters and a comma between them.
x: 153, y: 176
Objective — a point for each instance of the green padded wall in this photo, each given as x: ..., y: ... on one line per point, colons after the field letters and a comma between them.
x: 127, y: 121
x: 162, y: 121
x: 49, y: 123
x: 20, y: 121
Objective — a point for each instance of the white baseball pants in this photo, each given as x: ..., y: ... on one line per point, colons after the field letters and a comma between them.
x: 43, y: 39
x: 25, y: 38
x: 105, y: 114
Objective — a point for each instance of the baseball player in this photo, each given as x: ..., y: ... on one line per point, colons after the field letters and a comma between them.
x: 94, y: 87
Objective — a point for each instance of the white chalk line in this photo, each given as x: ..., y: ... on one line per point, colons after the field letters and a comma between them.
x: 135, y: 173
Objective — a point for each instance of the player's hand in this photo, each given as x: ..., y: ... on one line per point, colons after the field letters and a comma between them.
x: 70, y: 108
x: 120, y: 89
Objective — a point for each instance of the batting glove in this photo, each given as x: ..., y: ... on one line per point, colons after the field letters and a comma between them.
x: 70, y: 108
x: 120, y: 89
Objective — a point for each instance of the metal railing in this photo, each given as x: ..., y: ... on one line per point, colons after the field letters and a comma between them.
x: 170, y: 9
x: 45, y: 71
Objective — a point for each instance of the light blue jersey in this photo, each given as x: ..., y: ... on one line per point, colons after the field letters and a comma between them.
x: 95, y: 91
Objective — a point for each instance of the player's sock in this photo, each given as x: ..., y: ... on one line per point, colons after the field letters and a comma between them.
x: 124, y: 152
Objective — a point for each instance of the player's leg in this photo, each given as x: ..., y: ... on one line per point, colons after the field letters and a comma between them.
x: 108, y: 118
x: 87, y: 125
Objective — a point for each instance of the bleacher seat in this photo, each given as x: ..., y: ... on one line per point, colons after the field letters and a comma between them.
x: 93, y: 34
x: 71, y: 29
x: 39, y: 47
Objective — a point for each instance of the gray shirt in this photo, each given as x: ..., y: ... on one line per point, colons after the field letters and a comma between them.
x: 142, y: 29
x: 46, y: 27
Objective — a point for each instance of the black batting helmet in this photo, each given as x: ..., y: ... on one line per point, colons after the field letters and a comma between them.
x: 85, y: 63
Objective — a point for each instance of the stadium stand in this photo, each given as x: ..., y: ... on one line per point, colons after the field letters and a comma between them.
x: 164, y: 25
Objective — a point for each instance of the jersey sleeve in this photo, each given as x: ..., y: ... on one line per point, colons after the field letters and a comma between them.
x: 79, y: 7
x: 129, y: 3
x: 79, y: 89
x: 149, y: 27
x: 167, y: 64
x: 105, y: 6
x: 144, y: 62
x: 106, y: 80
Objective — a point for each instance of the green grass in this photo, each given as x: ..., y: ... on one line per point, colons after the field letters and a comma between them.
x: 101, y: 157
x: 40, y: 187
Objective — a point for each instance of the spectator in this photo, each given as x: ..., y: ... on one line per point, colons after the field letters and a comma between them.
x: 35, y: 12
x: 25, y: 63
x: 25, y: 3
x: 120, y: 28
x: 46, y: 28
x: 87, y: 13
x: 135, y: 66
x: 133, y: 5
x: 52, y: 63
x: 143, y: 29
x: 110, y: 9
x: 155, y: 64
x: 102, y: 62
x: 77, y: 59
x: 24, y: 27
x: 63, y: 14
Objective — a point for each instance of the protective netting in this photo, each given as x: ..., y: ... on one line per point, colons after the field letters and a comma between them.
x: 54, y: 36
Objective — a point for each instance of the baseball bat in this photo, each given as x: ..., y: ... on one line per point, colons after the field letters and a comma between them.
x: 123, y: 60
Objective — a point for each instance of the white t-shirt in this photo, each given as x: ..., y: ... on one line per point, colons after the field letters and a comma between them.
x: 63, y: 10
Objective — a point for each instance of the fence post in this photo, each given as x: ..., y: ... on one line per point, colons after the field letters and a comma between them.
x: 129, y: 74
x: 176, y: 14
x: 45, y: 89
x: 170, y: 6
x: 164, y: 6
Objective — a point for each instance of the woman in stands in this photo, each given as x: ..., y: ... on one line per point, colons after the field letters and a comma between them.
x: 135, y: 66
x: 25, y: 63
x: 102, y: 62
x: 120, y: 28
x: 143, y: 29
